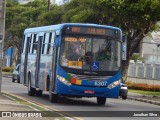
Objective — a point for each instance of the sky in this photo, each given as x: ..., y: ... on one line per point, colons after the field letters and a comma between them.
x: 60, y: 1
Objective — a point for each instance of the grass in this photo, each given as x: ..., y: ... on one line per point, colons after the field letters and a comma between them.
x: 7, y: 73
x: 145, y: 92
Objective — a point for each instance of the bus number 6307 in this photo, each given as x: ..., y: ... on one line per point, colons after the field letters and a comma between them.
x: 100, y: 83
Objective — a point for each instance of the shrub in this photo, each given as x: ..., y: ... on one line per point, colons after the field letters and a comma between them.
x: 143, y: 86
x: 7, y: 69
x: 137, y: 57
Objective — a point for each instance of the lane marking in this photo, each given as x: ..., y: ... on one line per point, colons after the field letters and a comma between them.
x: 64, y: 114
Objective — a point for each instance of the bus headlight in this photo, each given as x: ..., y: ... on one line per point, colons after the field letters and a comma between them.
x: 63, y: 80
x: 114, y: 84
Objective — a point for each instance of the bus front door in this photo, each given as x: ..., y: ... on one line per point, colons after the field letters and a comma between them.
x: 28, y: 40
x: 38, y: 56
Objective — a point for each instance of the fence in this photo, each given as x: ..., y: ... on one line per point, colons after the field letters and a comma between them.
x: 144, y: 71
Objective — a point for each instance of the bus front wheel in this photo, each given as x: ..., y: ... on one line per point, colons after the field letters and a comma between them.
x: 124, y: 97
x: 53, y: 98
x: 101, y: 100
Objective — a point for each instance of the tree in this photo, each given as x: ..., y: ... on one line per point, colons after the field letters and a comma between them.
x: 137, y: 57
x: 135, y: 17
x: 18, y: 18
x: 54, y: 16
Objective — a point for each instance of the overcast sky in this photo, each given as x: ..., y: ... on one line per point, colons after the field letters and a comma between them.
x: 59, y: 1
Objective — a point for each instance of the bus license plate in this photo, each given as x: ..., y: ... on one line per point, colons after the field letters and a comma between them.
x: 89, y: 92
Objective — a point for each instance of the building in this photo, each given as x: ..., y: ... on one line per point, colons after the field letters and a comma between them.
x: 150, y: 48
x: 8, y: 57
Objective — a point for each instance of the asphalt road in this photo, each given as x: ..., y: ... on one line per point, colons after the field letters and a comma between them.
x: 79, y: 106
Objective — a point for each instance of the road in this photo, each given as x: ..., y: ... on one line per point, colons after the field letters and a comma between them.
x: 84, y: 104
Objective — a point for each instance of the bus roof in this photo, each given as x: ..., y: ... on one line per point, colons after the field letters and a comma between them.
x: 60, y: 26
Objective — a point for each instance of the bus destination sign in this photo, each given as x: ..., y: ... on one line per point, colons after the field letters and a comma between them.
x: 95, y: 31
x: 91, y: 31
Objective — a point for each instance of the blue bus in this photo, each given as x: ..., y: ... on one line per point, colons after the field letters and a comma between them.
x: 73, y: 60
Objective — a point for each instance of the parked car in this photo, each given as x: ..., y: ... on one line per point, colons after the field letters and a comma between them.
x: 123, y: 91
x: 15, y: 75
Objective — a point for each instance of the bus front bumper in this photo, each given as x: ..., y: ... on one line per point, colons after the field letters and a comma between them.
x: 84, y: 91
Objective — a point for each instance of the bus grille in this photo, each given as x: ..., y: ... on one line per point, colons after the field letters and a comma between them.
x: 87, y: 77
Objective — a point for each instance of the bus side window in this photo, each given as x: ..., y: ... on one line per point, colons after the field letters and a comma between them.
x: 29, y: 38
x: 52, y: 43
x: 34, y: 44
x: 23, y: 43
x: 46, y: 43
x: 43, y: 43
x: 49, y: 43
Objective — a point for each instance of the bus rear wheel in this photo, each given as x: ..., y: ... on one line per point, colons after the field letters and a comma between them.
x: 53, y: 98
x: 39, y: 93
x: 31, y: 91
x: 101, y: 100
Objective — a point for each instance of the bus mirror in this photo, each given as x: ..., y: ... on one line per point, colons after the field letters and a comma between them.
x: 124, y: 47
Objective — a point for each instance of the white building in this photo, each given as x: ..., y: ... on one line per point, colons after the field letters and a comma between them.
x: 150, y: 48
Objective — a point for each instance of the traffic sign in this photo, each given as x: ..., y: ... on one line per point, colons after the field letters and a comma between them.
x: 95, y: 65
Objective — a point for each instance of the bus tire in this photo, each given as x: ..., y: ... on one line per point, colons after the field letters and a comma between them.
x: 18, y: 79
x: 13, y: 80
x: 48, y: 83
x: 31, y: 91
x: 39, y: 93
x: 53, y: 98
x: 101, y: 100
x: 124, y: 97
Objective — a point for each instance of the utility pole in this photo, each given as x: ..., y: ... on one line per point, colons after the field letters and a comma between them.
x: 2, y: 32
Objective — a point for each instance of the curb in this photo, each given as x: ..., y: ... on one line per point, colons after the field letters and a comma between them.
x: 66, y: 116
x: 144, y: 100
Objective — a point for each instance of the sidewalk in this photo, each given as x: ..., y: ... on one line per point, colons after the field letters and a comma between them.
x: 11, y: 107
x: 9, y: 104
x: 144, y: 98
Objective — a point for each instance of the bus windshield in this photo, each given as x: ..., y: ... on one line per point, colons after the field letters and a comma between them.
x: 90, y: 53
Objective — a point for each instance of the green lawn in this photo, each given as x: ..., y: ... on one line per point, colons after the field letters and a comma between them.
x: 7, y: 73
x: 145, y: 92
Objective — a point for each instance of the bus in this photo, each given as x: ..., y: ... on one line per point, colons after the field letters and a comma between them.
x: 73, y: 60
